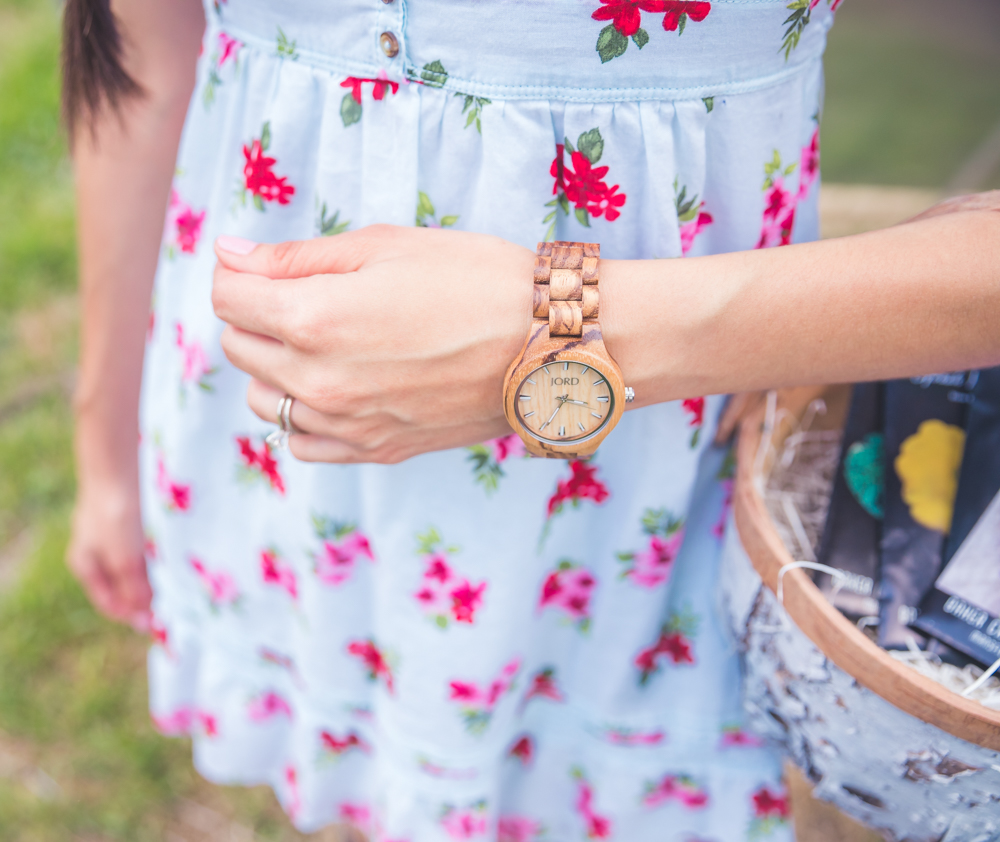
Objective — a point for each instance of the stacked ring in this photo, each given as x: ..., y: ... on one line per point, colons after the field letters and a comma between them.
x: 279, y: 438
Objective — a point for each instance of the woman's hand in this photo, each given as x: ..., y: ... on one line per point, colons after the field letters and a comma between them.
x: 107, y: 551
x: 393, y: 341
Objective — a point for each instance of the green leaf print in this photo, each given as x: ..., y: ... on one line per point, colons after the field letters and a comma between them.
x: 258, y: 202
x: 611, y: 43
x: 709, y: 103
x: 285, y: 47
x: 591, y: 144
x: 427, y: 216
x: 474, y: 106
x: 641, y: 38
x: 330, y: 226
x: 687, y: 209
x: 350, y: 110
x: 434, y: 74
x: 582, y: 217
x: 797, y: 21
x: 265, y: 136
x: 429, y: 542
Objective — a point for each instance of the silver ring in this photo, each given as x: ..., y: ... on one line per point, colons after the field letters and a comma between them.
x: 278, y: 439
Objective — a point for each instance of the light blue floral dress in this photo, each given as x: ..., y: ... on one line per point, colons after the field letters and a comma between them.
x: 472, y: 644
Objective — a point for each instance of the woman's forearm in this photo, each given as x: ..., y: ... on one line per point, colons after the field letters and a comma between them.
x: 918, y: 298
x: 123, y: 172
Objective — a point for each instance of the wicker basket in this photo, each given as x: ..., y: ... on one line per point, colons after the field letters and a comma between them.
x: 887, y: 745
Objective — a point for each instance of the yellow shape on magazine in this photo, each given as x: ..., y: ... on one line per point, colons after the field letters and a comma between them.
x: 927, y: 466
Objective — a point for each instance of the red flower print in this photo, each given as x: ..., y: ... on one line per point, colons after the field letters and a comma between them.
x: 569, y: 588
x: 598, y: 826
x: 581, y: 183
x: 543, y: 686
x: 780, y: 203
x: 696, y: 408
x: 228, y: 48
x: 582, y: 484
x: 379, y: 86
x: 809, y: 164
x: 476, y: 704
x: 267, y: 706
x: 342, y: 545
x: 770, y: 805
x: 374, y: 661
x: 444, y: 595
x: 523, y: 749
x: 182, y: 228
x: 258, y: 173
x: 678, y: 788
x: 673, y: 644
x: 338, y: 746
x: 626, y: 20
x: 259, y: 464
x: 275, y: 571
x: 158, y: 632
x: 176, y: 497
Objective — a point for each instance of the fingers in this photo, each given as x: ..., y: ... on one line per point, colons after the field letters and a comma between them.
x: 119, y: 588
x: 301, y: 258
x: 256, y: 303
x: 262, y: 357
x: 739, y: 407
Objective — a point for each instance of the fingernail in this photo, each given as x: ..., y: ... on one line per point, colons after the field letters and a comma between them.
x: 235, y: 245
x: 140, y: 622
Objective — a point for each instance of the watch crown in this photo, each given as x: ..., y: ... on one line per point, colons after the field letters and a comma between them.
x: 629, y: 394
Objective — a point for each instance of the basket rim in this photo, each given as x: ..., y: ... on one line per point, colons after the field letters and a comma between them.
x: 831, y: 632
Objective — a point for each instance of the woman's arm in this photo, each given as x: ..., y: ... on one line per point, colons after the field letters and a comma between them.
x: 124, y: 163
x: 395, y: 341
x: 917, y: 298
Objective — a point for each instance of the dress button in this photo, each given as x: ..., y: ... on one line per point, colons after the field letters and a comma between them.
x: 387, y: 2
x: 390, y: 46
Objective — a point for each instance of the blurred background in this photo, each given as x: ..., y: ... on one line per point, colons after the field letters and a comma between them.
x: 912, y: 113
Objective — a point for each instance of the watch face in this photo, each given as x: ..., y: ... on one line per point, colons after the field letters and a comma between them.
x: 564, y: 402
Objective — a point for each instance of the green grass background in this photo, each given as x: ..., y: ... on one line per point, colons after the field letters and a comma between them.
x: 902, y: 108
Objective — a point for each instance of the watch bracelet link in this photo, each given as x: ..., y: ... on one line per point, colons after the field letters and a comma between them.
x: 565, y: 290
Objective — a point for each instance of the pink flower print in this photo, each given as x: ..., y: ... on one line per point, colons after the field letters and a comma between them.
x: 690, y: 230
x: 374, y: 660
x: 158, y: 633
x: 176, y: 496
x: 598, y: 826
x: 149, y: 548
x: 809, y: 165
x: 336, y: 747
x: 680, y: 788
x: 523, y: 749
x: 651, y: 567
x: 184, y: 720
x: 267, y: 706
x: 292, y: 801
x: 221, y: 587
x: 719, y: 529
x: 487, y: 458
x: 258, y: 463
x: 228, y: 49
x: 444, y: 595
x: 259, y: 179
x: 518, y: 829
x: 630, y: 738
x: 477, y: 704
x: 342, y: 546
x: 690, y: 217
x: 465, y: 823
x: 582, y: 484
x: 543, y: 686
x: 275, y: 571
x: 182, y: 226
x: 674, y: 644
x: 357, y: 815
x: 733, y: 736
x: 568, y: 589
x: 194, y: 364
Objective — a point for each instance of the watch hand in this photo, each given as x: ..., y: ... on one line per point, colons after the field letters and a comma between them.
x: 553, y: 415
x: 582, y: 403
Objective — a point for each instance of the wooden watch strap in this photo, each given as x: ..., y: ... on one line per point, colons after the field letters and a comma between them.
x: 565, y: 290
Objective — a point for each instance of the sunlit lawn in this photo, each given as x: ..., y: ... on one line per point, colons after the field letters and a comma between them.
x: 78, y: 758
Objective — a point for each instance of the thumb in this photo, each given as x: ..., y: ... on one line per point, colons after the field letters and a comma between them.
x: 343, y: 253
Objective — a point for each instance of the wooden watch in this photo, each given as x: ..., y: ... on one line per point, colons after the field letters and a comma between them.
x: 564, y: 393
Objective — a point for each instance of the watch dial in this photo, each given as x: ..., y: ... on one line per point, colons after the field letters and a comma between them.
x: 564, y: 402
